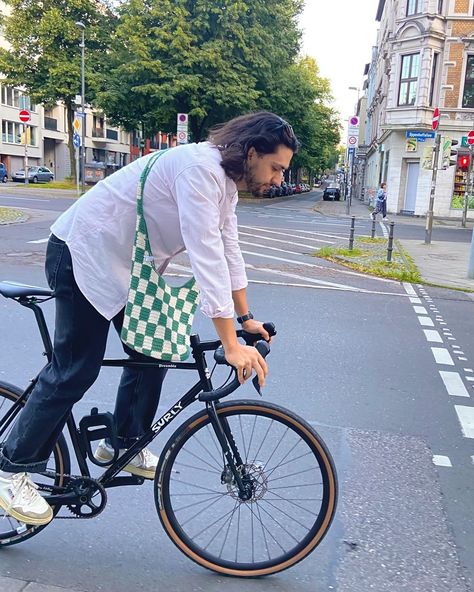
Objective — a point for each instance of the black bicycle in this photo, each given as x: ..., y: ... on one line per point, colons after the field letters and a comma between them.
x: 244, y: 488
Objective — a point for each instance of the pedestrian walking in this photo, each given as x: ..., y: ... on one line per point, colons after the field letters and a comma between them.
x: 380, y: 203
x: 188, y: 202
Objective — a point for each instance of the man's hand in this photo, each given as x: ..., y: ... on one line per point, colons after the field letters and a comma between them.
x: 245, y: 359
x: 253, y: 326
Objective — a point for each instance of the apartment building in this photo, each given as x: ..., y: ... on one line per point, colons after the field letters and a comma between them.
x: 424, y: 58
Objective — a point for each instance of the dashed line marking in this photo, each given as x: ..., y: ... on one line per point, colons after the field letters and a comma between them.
x: 454, y: 384
x: 441, y: 461
x: 433, y: 336
x: 415, y: 300
x: 420, y: 310
x: 426, y: 321
x: 442, y: 356
x: 467, y: 369
x: 466, y: 419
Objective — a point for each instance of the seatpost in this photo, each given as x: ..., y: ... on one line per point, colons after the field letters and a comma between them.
x: 42, y: 326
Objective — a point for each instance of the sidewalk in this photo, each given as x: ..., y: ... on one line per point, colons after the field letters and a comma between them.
x: 442, y: 263
x: 14, y: 585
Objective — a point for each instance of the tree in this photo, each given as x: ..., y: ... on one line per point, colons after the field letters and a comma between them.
x: 43, y: 55
x: 211, y: 59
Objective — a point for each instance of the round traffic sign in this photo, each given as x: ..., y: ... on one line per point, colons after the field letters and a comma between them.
x: 182, y: 135
x: 435, y: 122
x: 352, y: 140
x: 354, y: 120
x: 470, y: 138
x: 24, y: 115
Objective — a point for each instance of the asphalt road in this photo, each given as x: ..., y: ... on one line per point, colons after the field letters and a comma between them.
x: 369, y: 362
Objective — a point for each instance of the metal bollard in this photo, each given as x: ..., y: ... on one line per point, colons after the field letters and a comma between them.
x: 351, y: 236
x: 390, y: 242
x: 372, y: 234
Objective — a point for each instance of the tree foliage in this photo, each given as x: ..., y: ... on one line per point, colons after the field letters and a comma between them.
x: 44, y: 55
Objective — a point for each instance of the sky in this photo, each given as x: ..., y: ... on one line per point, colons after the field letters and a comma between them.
x: 340, y: 36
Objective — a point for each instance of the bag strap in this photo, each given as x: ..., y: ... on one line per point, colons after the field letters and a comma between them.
x: 141, y: 223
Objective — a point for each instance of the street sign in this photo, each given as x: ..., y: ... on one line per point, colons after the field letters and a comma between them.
x: 435, y: 121
x: 352, y: 140
x: 420, y: 136
x: 76, y: 140
x: 470, y: 138
x: 24, y: 115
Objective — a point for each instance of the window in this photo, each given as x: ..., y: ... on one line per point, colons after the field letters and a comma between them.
x: 412, y: 7
x: 434, y: 68
x: 468, y: 95
x: 409, y: 79
x: 15, y: 98
x: 12, y: 133
x: 440, y: 6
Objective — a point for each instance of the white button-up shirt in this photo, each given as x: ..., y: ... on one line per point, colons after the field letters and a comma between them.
x: 189, y: 203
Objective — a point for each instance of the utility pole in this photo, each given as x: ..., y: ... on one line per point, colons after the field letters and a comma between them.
x: 82, y: 45
x: 468, y: 191
x: 429, y: 213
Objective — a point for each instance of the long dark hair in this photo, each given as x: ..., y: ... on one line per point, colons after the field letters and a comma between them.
x: 263, y: 131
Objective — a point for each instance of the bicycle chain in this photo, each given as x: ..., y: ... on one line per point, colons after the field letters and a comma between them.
x: 52, y: 474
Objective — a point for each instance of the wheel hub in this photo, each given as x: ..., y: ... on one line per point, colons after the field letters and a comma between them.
x: 255, y: 481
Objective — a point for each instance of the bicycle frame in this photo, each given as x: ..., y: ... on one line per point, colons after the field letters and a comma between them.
x: 109, y: 477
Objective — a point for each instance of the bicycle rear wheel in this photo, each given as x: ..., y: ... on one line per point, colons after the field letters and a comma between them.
x: 12, y: 531
x: 294, y: 490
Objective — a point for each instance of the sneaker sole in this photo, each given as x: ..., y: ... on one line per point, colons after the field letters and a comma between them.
x: 26, y: 519
x: 130, y: 468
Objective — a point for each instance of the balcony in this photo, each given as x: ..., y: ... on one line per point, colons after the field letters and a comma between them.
x: 98, y: 132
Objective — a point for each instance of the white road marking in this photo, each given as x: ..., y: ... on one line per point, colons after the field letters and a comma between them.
x: 456, y: 346
x: 426, y: 321
x: 415, y: 300
x: 470, y: 378
x: 467, y: 369
x: 454, y: 384
x: 441, y: 461
x: 35, y: 199
x: 451, y: 338
x: 442, y: 356
x: 282, y: 234
x: 466, y: 419
x: 263, y: 229
x: 420, y: 310
x: 433, y: 336
x: 409, y: 289
x: 384, y: 230
x: 285, y: 240
x: 258, y: 245
x: 40, y: 240
x: 462, y: 359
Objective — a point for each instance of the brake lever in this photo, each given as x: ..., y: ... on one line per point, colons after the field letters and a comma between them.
x: 263, y: 348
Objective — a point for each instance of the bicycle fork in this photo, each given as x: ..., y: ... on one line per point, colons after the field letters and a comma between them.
x: 231, y: 454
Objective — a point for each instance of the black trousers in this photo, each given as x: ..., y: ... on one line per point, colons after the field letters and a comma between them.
x: 79, y: 345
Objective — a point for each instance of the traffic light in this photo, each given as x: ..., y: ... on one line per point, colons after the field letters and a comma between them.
x: 453, y: 153
x: 463, y: 162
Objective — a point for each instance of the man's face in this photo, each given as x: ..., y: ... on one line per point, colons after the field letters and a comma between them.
x: 264, y: 170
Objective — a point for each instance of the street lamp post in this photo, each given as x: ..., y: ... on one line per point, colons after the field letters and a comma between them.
x: 82, y: 45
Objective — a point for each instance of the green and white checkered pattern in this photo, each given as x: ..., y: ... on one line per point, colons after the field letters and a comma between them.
x: 158, y: 318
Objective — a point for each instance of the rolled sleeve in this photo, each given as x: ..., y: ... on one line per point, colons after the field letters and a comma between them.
x: 232, y: 252
x: 198, y: 194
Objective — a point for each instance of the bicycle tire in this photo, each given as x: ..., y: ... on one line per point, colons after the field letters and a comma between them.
x: 170, y: 479
x: 59, y: 463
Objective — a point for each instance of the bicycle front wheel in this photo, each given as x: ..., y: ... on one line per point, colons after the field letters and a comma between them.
x: 12, y: 531
x: 294, y: 490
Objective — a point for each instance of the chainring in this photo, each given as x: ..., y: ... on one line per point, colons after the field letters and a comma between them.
x: 88, y: 489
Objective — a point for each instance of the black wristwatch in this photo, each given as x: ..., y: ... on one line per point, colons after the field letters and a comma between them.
x: 245, y: 317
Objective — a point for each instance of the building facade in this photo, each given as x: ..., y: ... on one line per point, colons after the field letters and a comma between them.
x: 424, y: 58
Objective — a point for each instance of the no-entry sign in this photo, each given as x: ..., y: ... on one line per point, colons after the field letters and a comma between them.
x: 470, y: 138
x: 435, y: 122
x: 24, y: 115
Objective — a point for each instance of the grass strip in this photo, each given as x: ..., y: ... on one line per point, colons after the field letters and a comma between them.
x: 10, y: 215
x: 370, y: 256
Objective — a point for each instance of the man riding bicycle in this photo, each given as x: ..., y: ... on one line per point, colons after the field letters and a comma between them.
x: 189, y: 203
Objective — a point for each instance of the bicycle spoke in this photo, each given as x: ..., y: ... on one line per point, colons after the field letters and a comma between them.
x: 199, y: 502
x: 292, y: 474
x: 201, y: 511
x: 229, y: 521
x: 201, y: 459
x: 284, y: 513
x: 181, y: 464
x: 194, y: 485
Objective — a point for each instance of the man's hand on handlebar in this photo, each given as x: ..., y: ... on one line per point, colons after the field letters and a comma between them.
x: 253, y: 326
x: 246, y: 359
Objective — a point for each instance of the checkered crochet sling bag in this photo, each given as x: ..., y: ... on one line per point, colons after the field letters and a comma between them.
x: 158, y: 317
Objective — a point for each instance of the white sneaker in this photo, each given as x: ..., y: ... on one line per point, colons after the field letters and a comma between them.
x: 20, y: 500
x: 143, y: 465
x: 385, y: 219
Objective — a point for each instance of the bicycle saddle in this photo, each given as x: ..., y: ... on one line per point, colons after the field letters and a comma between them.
x: 17, y: 290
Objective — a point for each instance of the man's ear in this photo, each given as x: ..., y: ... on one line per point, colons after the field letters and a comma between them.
x: 251, y: 153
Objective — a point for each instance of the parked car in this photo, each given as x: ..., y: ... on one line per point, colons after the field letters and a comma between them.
x: 332, y: 193
x: 35, y: 174
x: 3, y: 173
x: 272, y: 192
